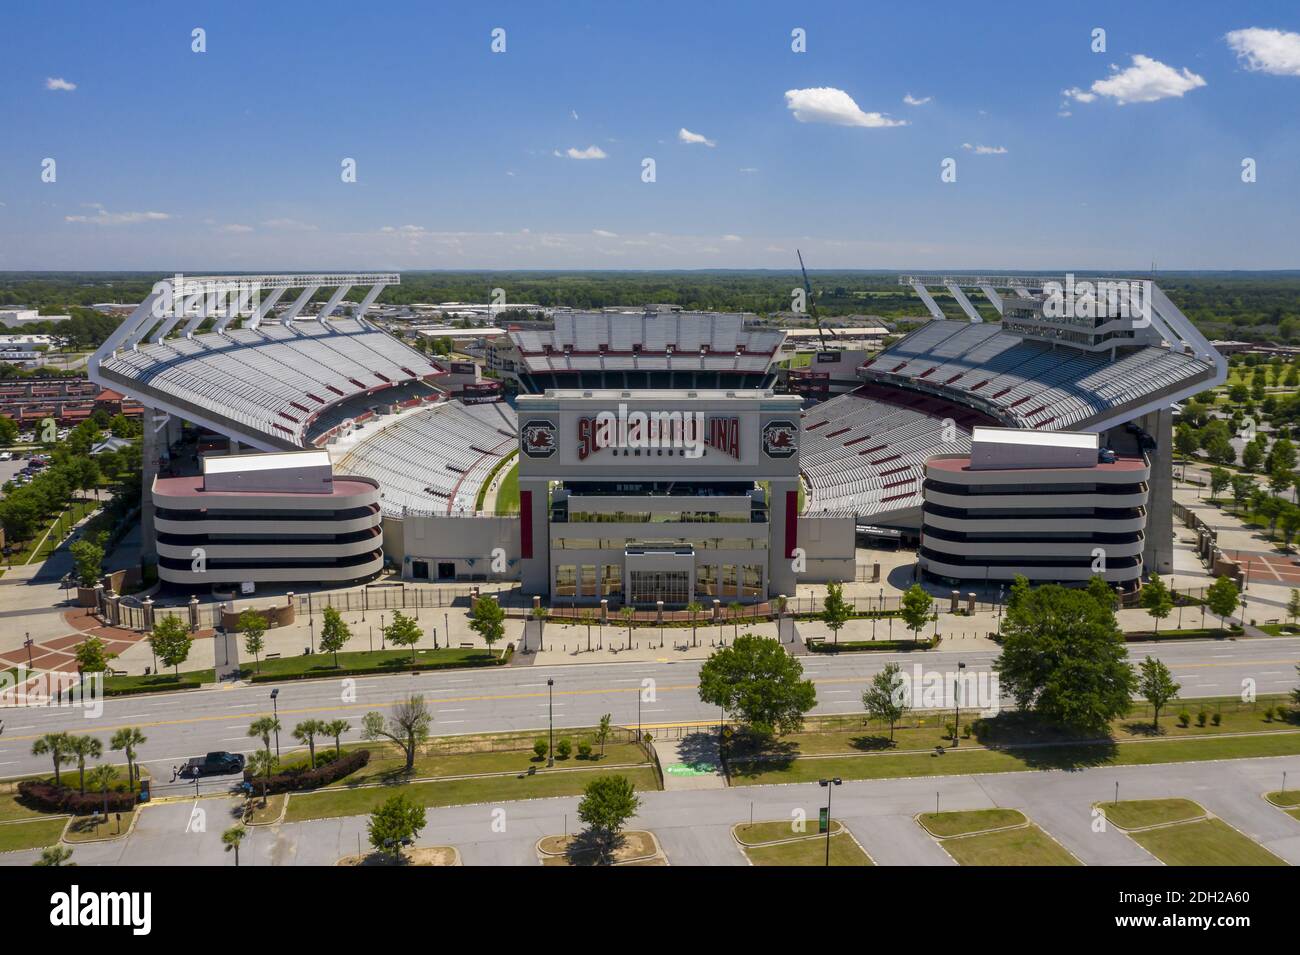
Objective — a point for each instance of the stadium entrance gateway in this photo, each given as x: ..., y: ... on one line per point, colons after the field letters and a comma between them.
x: 702, y: 507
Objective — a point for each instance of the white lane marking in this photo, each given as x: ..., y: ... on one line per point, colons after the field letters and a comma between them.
x: 450, y: 722
x: 462, y: 710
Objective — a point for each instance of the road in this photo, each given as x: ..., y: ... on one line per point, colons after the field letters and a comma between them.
x: 185, y: 724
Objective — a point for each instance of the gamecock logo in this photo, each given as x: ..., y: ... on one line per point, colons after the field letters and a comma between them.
x: 780, y: 439
x: 538, y: 439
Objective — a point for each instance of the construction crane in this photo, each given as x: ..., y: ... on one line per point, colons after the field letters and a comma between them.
x: 812, y: 304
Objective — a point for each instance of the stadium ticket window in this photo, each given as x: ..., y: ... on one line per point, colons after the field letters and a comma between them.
x: 729, y: 580
x: 588, y: 580
x: 566, y: 580
x: 611, y: 580
x: 751, y: 581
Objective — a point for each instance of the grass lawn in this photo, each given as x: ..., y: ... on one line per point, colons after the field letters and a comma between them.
x: 388, y: 765
x: 1207, y: 842
x: 455, y: 792
x: 1288, y: 801
x: 377, y: 661
x: 11, y: 809
x: 83, y: 828
x: 1061, y: 756
x: 268, y: 812
x: 35, y: 834
x: 158, y: 682
x: 1141, y: 813
x: 508, y: 492
x: 946, y: 824
x: 761, y: 832
x: 810, y: 851
x: 1027, y: 845
x: 48, y: 542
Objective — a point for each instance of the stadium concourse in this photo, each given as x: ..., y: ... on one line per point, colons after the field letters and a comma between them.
x: 222, y: 356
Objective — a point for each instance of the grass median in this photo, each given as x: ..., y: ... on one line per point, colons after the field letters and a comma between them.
x: 994, y: 837
x: 356, y: 801
x: 31, y: 834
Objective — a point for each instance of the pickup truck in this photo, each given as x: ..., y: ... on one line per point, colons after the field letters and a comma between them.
x: 213, y: 764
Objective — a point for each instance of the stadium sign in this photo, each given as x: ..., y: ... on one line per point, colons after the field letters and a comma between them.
x: 538, y: 438
x: 780, y: 439
x: 688, y: 433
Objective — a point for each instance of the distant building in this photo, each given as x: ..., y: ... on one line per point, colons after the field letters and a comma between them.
x: 18, y: 317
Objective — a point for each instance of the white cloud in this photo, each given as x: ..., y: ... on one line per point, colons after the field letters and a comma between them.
x: 573, y: 113
x: 684, y: 135
x: 293, y: 224
x: 825, y: 104
x: 60, y: 84
x: 604, y: 234
x: 911, y: 100
x: 103, y: 217
x: 236, y: 227
x: 1266, y: 51
x: 1146, y: 81
x: 985, y: 150
x: 404, y: 229
x: 591, y: 152
x: 748, y: 169
x: 730, y: 237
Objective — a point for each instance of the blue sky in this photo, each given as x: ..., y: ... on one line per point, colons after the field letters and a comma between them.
x: 231, y: 158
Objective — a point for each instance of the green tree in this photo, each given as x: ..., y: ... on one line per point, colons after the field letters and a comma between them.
x: 836, y: 611
x: 1251, y: 457
x: 1156, y: 683
x: 693, y: 608
x: 1063, y: 658
x: 487, y: 619
x: 1241, y: 488
x: 602, y: 732
x: 171, y: 642
x: 1222, y: 597
x: 306, y: 732
x: 588, y: 618
x: 102, y: 777
x: 54, y: 856
x: 231, y: 839
x: 404, y: 631
x: 262, y: 763
x: 407, y: 726
x: 58, y: 746
x: 334, y: 633
x: 8, y: 432
x: 127, y: 739
x: 1290, y: 521
x: 263, y: 728
x: 1219, y: 479
x: 757, y: 682
x: 87, y: 561
x: 608, y: 802
x: 253, y: 626
x: 1293, y: 605
x: 92, y: 656
x: 335, y: 729
x: 84, y: 748
x: 885, y: 697
x: 1101, y: 592
x: 628, y: 616
x: 1156, y: 600
x: 396, y: 822
x: 916, y: 606
x: 1185, y: 441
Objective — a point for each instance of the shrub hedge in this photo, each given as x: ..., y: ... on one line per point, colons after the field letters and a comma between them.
x: 47, y: 797
x: 329, y: 772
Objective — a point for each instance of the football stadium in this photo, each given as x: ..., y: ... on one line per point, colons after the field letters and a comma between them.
x: 649, y: 457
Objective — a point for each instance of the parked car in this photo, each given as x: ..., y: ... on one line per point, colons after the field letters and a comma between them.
x: 213, y: 764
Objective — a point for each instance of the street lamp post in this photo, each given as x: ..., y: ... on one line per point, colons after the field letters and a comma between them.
x: 446, y: 630
x: 827, y: 784
x: 956, y: 701
x: 28, y: 644
x: 275, y: 713
x: 550, y: 714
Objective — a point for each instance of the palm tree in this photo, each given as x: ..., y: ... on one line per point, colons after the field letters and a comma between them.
x: 101, y: 777
x: 82, y: 749
x: 58, y: 746
x: 588, y: 617
x: 232, y: 837
x: 54, y: 855
x: 538, y: 614
x: 306, y: 732
x: 735, y: 607
x: 262, y: 763
x: 127, y: 739
x: 336, y: 728
x: 602, y: 733
x: 628, y: 614
x: 263, y: 727
x: 693, y: 608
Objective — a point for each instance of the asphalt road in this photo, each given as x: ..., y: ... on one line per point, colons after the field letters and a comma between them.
x: 186, y: 724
